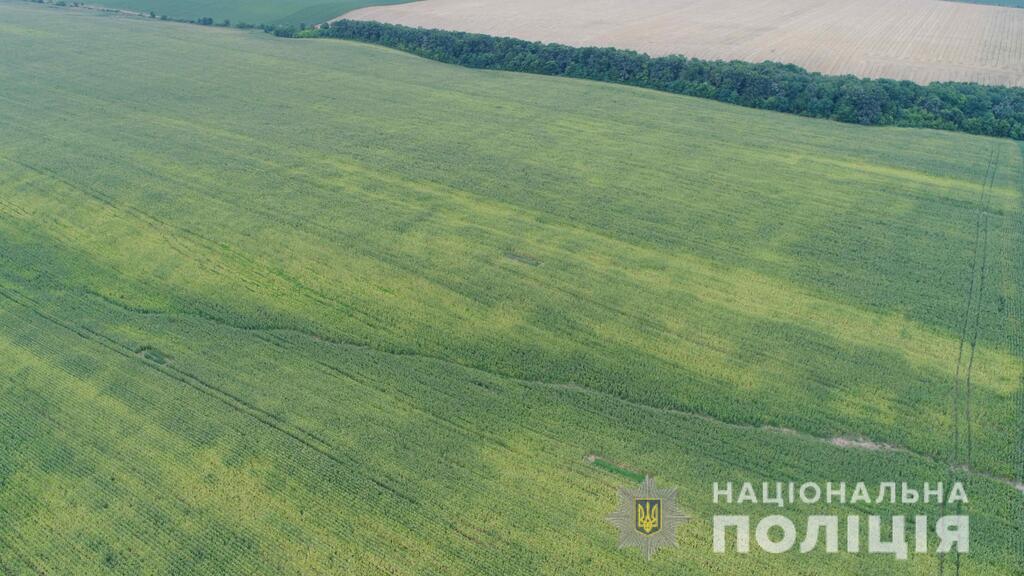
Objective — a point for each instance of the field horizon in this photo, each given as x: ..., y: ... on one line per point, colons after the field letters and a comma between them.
x: 918, y: 40
x: 265, y: 12
x: 277, y: 306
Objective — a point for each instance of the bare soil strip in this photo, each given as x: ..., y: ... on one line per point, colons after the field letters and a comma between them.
x: 919, y: 40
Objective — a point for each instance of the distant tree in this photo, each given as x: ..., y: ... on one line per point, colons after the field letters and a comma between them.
x: 282, y: 31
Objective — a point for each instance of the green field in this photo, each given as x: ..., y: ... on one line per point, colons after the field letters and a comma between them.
x: 311, y: 307
x: 276, y: 12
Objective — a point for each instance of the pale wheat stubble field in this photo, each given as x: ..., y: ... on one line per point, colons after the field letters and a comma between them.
x: 919, y: 40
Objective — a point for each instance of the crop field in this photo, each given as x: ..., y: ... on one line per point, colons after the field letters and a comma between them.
x: 919, y: 40
x: 261, y: 312
x: 1013, y: 3
x: 276, y: 12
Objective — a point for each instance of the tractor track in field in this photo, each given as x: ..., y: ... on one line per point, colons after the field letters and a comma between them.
x: 1017, y: 323
x: 307, y: 438
x: 267, y: 334
x: 984, y: 229
x: 304, y: 437
x: 316, y: 295
x: 976, y: 259
x: 961, y: 454
x: 1019, y: 512
x: 1020, y: 476
x: 318, y: 444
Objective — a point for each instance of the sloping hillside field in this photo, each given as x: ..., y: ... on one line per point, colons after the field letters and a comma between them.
x: 919, y: 40
x: 274, y: 12
x: 310, y: 307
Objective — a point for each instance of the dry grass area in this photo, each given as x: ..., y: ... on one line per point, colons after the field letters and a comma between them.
x: 920, y: 40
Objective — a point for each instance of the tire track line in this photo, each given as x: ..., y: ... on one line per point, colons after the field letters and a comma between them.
x: 981, y: 235
x: 978, y: 310
x: 304, y: 437
x: 957, y: 391
x: 958, y: 388
x: 1015, y: 311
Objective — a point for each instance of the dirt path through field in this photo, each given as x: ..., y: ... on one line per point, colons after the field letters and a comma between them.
x: 919, y: 40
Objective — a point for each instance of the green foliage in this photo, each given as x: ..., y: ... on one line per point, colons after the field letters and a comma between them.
x: 607, y: 466
x: 276, y: 307
x: 963, y: 107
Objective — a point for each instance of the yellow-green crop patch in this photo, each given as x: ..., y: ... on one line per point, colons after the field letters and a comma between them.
x: 274, y: 306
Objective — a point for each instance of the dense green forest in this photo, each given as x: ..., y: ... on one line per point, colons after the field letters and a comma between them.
x: 963, y: 107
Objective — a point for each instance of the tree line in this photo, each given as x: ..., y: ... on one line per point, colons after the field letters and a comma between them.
x: 957, y: 106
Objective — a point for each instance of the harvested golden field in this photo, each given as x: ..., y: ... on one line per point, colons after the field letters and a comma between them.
x: 919, y: 40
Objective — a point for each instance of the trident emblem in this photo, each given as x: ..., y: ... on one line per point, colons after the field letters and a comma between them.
x: 648, y: 515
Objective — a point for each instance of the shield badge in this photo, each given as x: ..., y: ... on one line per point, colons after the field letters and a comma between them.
x: 648, y: 515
